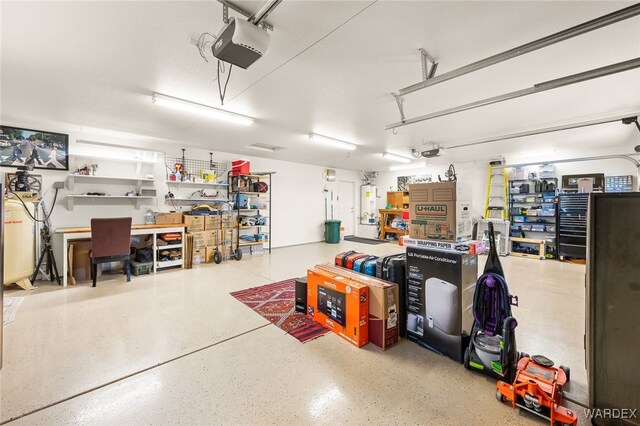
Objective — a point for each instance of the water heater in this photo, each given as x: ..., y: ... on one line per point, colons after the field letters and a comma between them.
x: 368, y: 210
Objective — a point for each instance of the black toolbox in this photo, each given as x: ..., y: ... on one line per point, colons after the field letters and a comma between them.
x: 392, y: 268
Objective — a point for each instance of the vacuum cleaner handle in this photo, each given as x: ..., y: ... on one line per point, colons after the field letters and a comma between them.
x: 508, y: 326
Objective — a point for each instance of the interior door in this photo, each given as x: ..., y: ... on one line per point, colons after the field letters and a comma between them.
x: 347, y: 205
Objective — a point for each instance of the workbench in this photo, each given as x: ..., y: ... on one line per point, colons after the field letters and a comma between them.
x: 74, y: 234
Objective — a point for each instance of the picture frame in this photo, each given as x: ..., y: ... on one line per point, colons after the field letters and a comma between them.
x: 41, y: 149
x: 405, y: 181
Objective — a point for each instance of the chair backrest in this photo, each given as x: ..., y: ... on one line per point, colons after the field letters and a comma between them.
x: 110, y: 237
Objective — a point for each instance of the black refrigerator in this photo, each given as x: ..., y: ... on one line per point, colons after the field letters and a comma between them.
x: 612, y: 340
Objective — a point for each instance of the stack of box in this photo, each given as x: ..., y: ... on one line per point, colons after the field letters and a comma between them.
x: 205, y: 230
x: 384, y: 304
x: 340, y: 304
x: 438, y: 211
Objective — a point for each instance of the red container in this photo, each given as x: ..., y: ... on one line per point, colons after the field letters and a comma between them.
x: 405, y: 215
x: 240, y: 167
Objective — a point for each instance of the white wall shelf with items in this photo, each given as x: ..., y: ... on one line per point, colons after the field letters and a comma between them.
x: 138, y: 181
x: 196, y: 184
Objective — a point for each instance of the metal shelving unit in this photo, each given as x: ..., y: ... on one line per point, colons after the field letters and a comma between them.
x: 537, y: 220
x: 263, y: 197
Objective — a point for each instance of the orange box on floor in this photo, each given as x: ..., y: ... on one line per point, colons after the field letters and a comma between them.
x: 340, y: 304
x: 384, y: 301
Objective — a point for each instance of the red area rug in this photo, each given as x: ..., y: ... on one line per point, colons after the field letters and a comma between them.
x: 276, y: 302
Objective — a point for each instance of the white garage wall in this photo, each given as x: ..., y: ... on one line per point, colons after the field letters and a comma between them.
x: 298, y: 195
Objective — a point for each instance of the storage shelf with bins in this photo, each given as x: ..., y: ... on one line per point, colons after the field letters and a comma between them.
x: 142, y: 186
x: 533, y: 213
x: 242, y: 185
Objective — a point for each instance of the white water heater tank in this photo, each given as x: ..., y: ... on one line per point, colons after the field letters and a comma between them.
x: 19, y: 243
x: 368, y: 200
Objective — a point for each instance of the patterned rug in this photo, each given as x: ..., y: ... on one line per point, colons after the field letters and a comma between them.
x: 276, y: 302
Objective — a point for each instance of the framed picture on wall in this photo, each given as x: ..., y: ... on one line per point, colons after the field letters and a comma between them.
x: 42, y: 150
x: 405, y: 181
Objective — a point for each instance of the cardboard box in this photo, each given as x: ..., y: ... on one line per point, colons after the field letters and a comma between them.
x: 199, y: 256
x: 194, y: 223
x: 168, y: 218
x: 436, y: 212
x: 212, y: 222
x: 440, y: 289
x: 340, y: 304
x: 384, y: 328
x: 468, y: 247
x: 203, y: 239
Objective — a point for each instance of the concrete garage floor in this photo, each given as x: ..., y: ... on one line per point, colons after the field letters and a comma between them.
x: 175, y: 347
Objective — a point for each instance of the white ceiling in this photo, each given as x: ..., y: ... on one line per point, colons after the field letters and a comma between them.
x: 330, y: 69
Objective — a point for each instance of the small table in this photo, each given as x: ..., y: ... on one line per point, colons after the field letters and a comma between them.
x: 385, y: 215
x: 71, y: 234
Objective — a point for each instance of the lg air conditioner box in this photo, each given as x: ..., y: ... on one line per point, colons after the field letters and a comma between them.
x: 443, y: 311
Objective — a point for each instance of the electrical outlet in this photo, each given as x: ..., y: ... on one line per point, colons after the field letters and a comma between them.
x: 58, y: 185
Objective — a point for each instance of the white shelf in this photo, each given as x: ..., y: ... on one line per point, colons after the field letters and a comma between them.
x: 254, y: 243
x: 179, y: 183
x: 199, y: 200
x: 168, y: 263
x: 139, y: 181
x: 168, y: 247
x: 138, y: 199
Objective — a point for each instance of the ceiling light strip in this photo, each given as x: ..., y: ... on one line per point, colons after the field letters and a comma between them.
x: 200, y: 109
x: 395, y: 157
x: 336, y: 143
x: 261, y: 148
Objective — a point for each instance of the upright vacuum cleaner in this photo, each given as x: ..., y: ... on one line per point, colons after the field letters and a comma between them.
x: 492, y: 347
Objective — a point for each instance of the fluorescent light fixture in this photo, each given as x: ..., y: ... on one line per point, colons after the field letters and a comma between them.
x: 336, y: 143
x: 408, y: 167
x: 205, y: 110
x: 396, y: 157
x: 265, y: 147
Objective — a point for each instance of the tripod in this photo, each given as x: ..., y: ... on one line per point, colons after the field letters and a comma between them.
x: 47, y: 251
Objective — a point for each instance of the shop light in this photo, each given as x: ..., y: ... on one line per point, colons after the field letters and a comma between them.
x: 199, y: 109
x: 396, y: 157
x: 408, y: 167
x: 336, y: 143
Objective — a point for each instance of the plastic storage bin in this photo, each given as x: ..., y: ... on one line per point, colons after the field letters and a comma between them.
x: 332, y: 231
x: 140, y: 268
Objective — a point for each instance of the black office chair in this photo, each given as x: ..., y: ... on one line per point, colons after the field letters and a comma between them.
x: 110, y: 242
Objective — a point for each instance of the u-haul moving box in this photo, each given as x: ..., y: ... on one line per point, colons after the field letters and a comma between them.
x: 436, y: 212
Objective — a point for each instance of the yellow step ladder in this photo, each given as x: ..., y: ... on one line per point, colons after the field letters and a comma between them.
x: 497, y: 197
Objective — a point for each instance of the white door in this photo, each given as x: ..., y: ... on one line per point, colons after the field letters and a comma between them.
x: 347, y: 205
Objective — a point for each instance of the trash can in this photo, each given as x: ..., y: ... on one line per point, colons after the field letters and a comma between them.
x: 332, y: 231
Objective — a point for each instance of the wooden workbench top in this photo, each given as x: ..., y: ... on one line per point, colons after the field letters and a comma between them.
x: 88, y: 229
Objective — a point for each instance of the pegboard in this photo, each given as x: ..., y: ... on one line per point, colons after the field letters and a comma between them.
x: 193, y: 167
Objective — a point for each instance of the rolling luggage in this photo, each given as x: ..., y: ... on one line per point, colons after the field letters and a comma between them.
x: 359, y: 264
x: 341, y: 259
x: 392, y: 268
x: 350, y: 260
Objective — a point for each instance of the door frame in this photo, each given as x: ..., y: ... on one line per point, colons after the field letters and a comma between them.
x: 354, y: 201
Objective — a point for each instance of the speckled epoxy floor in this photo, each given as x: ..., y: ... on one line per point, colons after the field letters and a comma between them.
x: 176, y: 348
